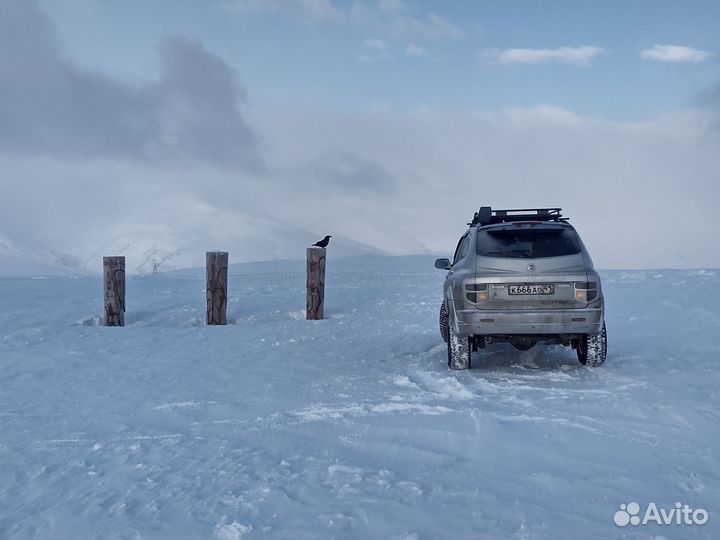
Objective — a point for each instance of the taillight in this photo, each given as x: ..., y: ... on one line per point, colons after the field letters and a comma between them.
x: 476, y: 292
x: 585, y: 291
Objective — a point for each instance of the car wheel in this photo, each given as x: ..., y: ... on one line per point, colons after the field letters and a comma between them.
x: 592, y: 348
x: 443, y: 322
x: 459, y: 350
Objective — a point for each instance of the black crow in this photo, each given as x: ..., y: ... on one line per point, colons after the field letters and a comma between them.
x: 324, y: 242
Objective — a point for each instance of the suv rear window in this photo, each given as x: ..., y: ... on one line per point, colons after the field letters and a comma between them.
x: 527, y: 242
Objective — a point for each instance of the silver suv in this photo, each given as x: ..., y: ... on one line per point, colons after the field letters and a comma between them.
x: 521, y: 276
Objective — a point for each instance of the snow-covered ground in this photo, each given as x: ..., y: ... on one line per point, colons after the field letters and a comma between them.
x: 351, y: 427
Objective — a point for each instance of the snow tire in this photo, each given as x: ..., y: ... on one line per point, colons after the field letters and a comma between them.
x: 444, y: 322
x: 592, y: 348
x: 459, y: 350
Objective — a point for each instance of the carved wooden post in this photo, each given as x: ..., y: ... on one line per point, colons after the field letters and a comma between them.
x: 315, y: 283
x: 114, y: 286
x: 217, y: 278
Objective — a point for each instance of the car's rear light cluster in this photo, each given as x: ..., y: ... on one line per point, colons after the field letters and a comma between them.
x: 585, y: 291
x: 476, y: 293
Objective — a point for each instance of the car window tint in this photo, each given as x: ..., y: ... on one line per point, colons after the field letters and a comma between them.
x: 528, y: 243
x: 461, y: 249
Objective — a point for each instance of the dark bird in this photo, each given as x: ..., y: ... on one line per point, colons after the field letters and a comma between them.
x: 324, y: 242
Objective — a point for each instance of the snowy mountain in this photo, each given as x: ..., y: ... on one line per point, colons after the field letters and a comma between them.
x: 350, y: 427
x: 180, y: 243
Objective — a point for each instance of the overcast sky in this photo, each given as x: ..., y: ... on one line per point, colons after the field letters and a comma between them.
x: 161, y: 129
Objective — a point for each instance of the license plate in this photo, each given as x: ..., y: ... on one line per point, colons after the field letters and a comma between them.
x: 531, y: 288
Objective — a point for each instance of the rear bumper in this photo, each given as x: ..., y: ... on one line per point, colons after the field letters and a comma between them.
x: 475, y: 322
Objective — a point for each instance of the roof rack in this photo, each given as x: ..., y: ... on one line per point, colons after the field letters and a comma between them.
x: 486, y: 215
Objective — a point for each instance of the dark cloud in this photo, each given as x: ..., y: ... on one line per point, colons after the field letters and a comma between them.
x: 344, y: 173
x: 48, y: 105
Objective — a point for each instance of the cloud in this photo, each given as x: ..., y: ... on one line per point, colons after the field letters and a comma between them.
x: 372, y: 58
x: 581, y: 56
x: 676, y: 53
x: 348, y: 175
x: 711, y: 97
x: 375, y: 43
x: 307, y: 11
x: 445, y: 163
x: 387, y: 17
x: 49, y: 105
x: 392, y: 6
x: 415, y: 50
x: 321, y: 10
x: 429, y: 27
x: 404, y: 182
x: 375, y: 51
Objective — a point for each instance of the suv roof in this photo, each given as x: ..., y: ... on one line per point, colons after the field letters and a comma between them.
x: 487, y: 216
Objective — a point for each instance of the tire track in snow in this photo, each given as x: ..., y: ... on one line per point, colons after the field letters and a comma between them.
x: 500, y: 389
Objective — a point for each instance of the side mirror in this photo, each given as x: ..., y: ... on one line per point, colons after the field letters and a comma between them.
x: 443, y: 264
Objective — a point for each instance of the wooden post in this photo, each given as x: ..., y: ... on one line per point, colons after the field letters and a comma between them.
x: 114, y: 286
x: 315, y: 283
x: 217, y: 278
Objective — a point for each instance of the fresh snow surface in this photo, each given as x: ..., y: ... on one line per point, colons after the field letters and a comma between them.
x: 351, y: 427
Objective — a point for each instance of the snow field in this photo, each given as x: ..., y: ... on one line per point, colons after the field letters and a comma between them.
x: 351, y: 427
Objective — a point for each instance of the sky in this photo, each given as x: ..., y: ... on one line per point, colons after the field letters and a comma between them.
x: 161, y: 129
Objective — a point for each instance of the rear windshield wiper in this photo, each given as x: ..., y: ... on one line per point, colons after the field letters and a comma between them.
x: 514, y: 252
